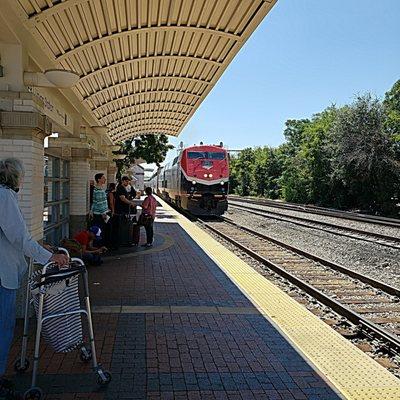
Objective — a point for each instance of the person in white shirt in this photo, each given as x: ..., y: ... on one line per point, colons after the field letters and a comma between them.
x: 15, y: 244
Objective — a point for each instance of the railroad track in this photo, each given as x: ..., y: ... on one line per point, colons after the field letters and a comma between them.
x: 309, y: 209
x: 340, y: 230
x: 371, y: 305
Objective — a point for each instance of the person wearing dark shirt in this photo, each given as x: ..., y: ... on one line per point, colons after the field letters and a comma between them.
x: 124, y: 206
x: 111, y: 197
x: 113, y: 223
x: 123, y: 199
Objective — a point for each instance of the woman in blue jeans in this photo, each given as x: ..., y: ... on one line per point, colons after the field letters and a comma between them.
x: 15, y: 244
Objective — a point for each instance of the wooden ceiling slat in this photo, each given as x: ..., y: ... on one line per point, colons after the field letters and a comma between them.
x: 145, y: 130
x: 84, y: 21
x: 123, y: 107
x: 157, y: 57
x: 139, y: 80
x: 116, y: 114
x: 185, y: 97
x: 36, y: 6
x: 180, y: 10
x: 142, y: 32
x: 221, y: 16
x: 51, y: 35
x: 64, y: 29
x: 146, y: 122
x: 254, y: 5
x: 73, y: 20
x: 118, y: 18
x: 138, y: 14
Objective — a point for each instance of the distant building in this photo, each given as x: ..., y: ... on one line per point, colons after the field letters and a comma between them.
x: 137, y: 172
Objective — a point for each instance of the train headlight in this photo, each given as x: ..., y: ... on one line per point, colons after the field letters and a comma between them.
x: 222, y: 183
x: 210, y: 175
x: 194, y: 182
x: 205, y: 175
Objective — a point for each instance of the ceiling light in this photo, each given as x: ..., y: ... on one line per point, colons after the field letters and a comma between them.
x: 61, y: 78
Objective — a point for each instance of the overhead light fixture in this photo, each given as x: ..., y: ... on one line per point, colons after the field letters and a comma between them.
x: 59, y: 78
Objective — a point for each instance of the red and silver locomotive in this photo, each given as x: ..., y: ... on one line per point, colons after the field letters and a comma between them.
x: 197, y: 180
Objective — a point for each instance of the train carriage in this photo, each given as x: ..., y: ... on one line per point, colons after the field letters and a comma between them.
x: 197, y: 180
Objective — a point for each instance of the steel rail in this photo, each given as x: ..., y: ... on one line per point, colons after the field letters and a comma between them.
x: 310, y: 209
x: 389, y: 241
x: 372, y: 330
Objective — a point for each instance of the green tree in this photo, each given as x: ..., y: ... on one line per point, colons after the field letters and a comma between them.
x: 364, y: 159
x: 233, y: 173
x: 266, y: 172
x: 150, y: 148
x: 307, y: 159
x: 294, y: 134
x: 391, y: 104
x: 294, y: 181
x: 316, y: 153
x: 243, y: 170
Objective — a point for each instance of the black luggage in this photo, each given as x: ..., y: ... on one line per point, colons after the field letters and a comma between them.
x: 136, y: 233
x: 125, y: 231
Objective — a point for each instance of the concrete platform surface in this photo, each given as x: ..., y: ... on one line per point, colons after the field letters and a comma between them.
x: 180, y: 321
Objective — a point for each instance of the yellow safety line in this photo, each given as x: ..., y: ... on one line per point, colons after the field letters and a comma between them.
x: 353, y: 373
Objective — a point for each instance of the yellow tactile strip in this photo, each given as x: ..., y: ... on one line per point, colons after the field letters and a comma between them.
x: 351, y: 372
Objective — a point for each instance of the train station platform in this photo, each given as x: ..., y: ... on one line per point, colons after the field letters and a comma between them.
x: 187, y: 319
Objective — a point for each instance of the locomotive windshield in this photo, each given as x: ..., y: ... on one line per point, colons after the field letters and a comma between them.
x: 206, y: 154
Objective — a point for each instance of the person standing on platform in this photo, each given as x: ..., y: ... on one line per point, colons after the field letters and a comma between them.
x: 149, y: 207
x: 111, y: 197
x: 113, y: 223
x: 125, y: 207
x: 15, y: 244
x: 123, y: 197
x: 100, y: 206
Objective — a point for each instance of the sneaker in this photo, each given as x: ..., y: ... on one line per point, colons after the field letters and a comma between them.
x: 149, y: 245
x: 7, y: 390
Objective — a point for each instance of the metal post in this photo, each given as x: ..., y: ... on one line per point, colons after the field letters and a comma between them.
x: 26, y: 319
x: 37, y: 339
x: 89, y: 317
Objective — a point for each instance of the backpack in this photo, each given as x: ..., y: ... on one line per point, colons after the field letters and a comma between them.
x: 73, y: 246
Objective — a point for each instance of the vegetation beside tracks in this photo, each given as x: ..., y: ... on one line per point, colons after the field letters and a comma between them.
x: 343, y: 157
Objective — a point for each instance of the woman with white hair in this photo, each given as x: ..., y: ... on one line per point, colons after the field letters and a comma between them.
x: 15, y: 244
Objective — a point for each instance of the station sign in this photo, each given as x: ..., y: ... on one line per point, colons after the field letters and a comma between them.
x: 51, y: 108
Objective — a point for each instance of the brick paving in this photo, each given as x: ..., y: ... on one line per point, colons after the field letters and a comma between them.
x: 169, y: 324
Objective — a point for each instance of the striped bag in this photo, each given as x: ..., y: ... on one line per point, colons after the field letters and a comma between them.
x: 63, y: 333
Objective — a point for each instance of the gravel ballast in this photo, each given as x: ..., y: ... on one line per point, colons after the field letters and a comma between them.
x: 346, y: 223
x: 377, y: 261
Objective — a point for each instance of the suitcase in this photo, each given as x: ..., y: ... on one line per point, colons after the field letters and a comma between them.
x: 136, y: 234
x: 125, y: 231
x: 129, y: 231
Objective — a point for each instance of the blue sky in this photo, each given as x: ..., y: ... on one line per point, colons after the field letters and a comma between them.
x: 305, y: 55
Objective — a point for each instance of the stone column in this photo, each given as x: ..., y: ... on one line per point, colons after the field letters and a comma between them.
x: 22, y: 136
x: 111, y: 173
x: 98, y: 166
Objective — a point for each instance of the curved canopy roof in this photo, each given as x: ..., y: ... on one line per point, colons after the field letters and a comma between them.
x: 144, y: 65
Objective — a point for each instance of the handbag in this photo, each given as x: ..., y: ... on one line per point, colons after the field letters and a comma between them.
x: 145, y: 219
